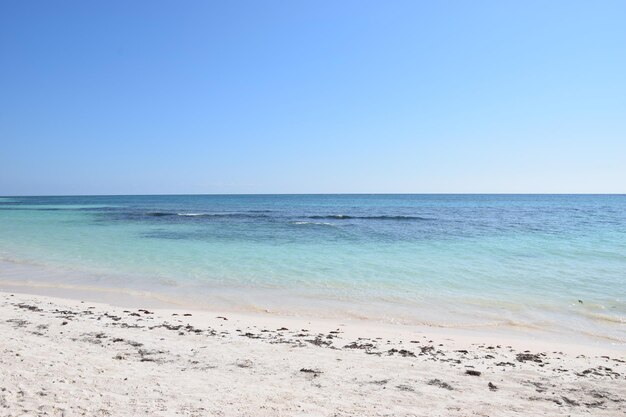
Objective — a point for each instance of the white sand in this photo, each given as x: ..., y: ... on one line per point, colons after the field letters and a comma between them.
x: 70, y: 358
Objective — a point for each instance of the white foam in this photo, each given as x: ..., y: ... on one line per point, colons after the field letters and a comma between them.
x: 315, y: 223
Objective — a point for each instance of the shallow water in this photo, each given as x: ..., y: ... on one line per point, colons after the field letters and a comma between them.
x: 446, y: 260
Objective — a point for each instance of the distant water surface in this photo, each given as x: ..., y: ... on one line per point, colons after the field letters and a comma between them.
x: 445, y: 260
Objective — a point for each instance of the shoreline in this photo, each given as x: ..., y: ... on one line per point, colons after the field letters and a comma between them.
x: 573, y: 322
x: 480, y: 332
x: 72, y: 356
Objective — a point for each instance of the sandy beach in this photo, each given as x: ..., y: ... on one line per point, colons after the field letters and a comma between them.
x: 312, y: 209
x: 63, y: 357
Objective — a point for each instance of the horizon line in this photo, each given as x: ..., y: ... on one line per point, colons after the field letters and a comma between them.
x: 302, y: 194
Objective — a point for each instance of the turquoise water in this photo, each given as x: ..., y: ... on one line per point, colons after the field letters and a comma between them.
x: 449, y: 260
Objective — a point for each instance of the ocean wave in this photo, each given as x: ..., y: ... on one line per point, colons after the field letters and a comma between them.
x: 300, y: 223
x: 605, y: 317
x: 263, y: 214
x: 191, y: 214
x: 232, y: 215
x: 346, y: 217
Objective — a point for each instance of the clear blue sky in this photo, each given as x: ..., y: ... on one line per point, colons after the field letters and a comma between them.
x: 125, y: 97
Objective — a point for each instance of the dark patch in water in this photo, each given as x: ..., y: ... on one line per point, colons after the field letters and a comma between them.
x: 18, y: 208
x: 209, y: 215
x: 345, y: 217
x: 167, y: 235
x: 175, y: 216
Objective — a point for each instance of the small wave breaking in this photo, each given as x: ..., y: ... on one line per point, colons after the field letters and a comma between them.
x: 302, y: 223
x: 230, y: 215
x: 346, y: 217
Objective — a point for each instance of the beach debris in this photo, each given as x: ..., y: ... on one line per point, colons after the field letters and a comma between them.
x: 554, y: 400
x: 18, y: 322
x: 129, y: 342
x: 355, y: 345
x: 595, y: 404
x: 599, y: 371
x: 570, y: 402
x: 505, y: 364
x: 314, y: 372
x: 602, y: 395
x: 539, y: 387
x: 427, y: 349
x: 473, y: 372
x: 94, y: 337
x: 492, y: 387
x: 380, y: 382
x: 319, y: 341
x: 524, y: 357
x: 402, y: 352
x: 439, y: 383
x: 28, y: 307
x: 111, y: 316
x: 147, y: 355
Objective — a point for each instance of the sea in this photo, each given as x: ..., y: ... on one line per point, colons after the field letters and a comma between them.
x: 547, y: 263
